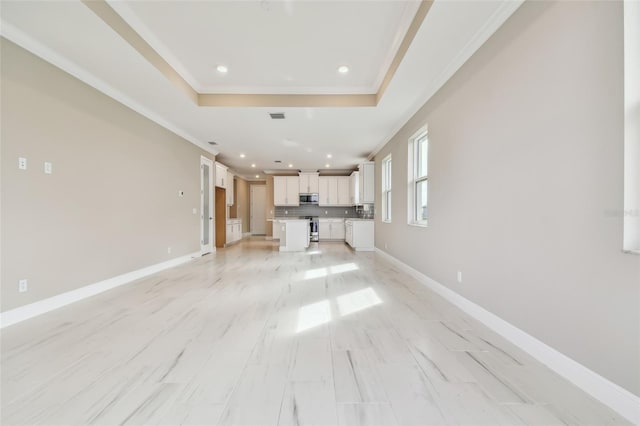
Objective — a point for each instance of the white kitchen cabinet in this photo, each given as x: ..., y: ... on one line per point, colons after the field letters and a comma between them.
x: 221, y: 175
x: 276, y: 230
x: 334, y: 191
x: 234, y: 230
x: 362, y: 185
x: 230, y: 189
x: 324, y: 230
x: 354, y: 188
x: 344, y: 198
x: 328, y: 191
x: 359, y: 234
x: 337, y: 229
x: 293, y: 190
x: 309, y: 183
x: 294, y: 234
x: 286, y: 190
x: 366, y: 183
x: 331, y: 229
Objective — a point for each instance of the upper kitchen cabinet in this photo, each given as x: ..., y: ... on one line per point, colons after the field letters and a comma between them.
x: 230, y: 188
x: 366, y: 183
x: 309, y: 183
x: 286, y: 190
x: 328, y: 191
x: 354, y: 188
x: 344, y: 195
x: 221, y: 175
x: 334, y: 191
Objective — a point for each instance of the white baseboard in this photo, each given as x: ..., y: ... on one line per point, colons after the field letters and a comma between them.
x: 617, y: 398
x: 40, y: 307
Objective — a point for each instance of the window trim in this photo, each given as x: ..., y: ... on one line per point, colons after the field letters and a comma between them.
x: 387, y: 187
x: 631, y: 188
x: 412, y: 180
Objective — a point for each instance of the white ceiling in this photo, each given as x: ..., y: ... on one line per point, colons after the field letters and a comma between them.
x: 263, y: 44
x: 274, y: 46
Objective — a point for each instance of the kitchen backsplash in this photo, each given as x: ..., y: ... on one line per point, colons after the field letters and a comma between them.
x: 312, y: 210
x: 366, y: 211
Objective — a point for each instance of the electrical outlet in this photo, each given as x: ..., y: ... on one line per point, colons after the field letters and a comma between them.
x: 48, y: 167
x: 326, y: 212
x: 346, y: 212
x: 169, y: 250
x: 459, y: 276
x: 22, y: 163
x: 286, y: 212
x: 22, y: 286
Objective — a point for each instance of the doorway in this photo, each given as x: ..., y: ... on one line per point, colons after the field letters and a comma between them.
x: 206, y: 206
x: 257, y: 209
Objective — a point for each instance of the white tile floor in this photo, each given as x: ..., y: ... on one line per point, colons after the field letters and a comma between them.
x: 251, y: 336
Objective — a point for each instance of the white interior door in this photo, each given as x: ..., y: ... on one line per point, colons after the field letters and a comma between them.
x: 257, y: 209
x: 206, y: 205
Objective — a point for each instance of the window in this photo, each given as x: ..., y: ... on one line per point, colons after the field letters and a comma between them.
x: 631, y: 209
x: 386, y: 189
x: 418, y: 178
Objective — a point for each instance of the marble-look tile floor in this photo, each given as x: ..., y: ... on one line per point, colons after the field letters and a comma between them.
x: 252, y: 336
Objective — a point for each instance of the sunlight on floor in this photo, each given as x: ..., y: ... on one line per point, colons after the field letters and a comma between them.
x: 319, y: 313
x: 336, y: 269
x: 357, y: 301
x: 313, y: 315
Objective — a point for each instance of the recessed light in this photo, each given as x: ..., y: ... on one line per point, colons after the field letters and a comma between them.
x: 257, y: 176
x: 253, y: 165
x: 329, y: 155
x: 290, y: 165
x: 343, y: 69
x: 222, y: 69
x: 327, y: 165
x: 242, y: 155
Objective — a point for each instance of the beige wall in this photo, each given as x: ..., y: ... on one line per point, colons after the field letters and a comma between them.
x: 242, y: 203
x: 525, y: 185
x: 270, y: 208
x: 111, y: 205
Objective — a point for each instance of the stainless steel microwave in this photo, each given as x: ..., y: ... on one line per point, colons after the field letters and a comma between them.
x: 309, y: 198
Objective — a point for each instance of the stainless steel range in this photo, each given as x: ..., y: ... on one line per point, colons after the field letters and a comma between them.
x: 314, y: 223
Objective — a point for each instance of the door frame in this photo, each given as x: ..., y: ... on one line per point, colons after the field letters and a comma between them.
x: 251, y: 189
x: 206, y: 248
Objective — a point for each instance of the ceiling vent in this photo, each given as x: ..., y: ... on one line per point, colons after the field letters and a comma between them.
x: 213, y: 143
x: 277, y: 115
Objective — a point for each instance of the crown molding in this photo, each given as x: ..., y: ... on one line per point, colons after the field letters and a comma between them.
x: 501, y: 14
x: 18, y: 37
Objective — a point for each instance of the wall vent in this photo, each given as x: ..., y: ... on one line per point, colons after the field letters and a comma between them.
x: 277, y: 115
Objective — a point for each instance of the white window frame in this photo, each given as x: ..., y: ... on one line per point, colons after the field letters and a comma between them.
x: 631, y: 208
x: 413, y: 179
x: 386, y: 173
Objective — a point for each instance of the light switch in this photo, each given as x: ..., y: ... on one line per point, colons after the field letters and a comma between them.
x: 195, y: 211
x: 22, y: 163
x: 180, y: 193
x: 48, y: 167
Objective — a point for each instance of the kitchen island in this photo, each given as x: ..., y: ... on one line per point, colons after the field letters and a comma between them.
x: 294, y: 234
